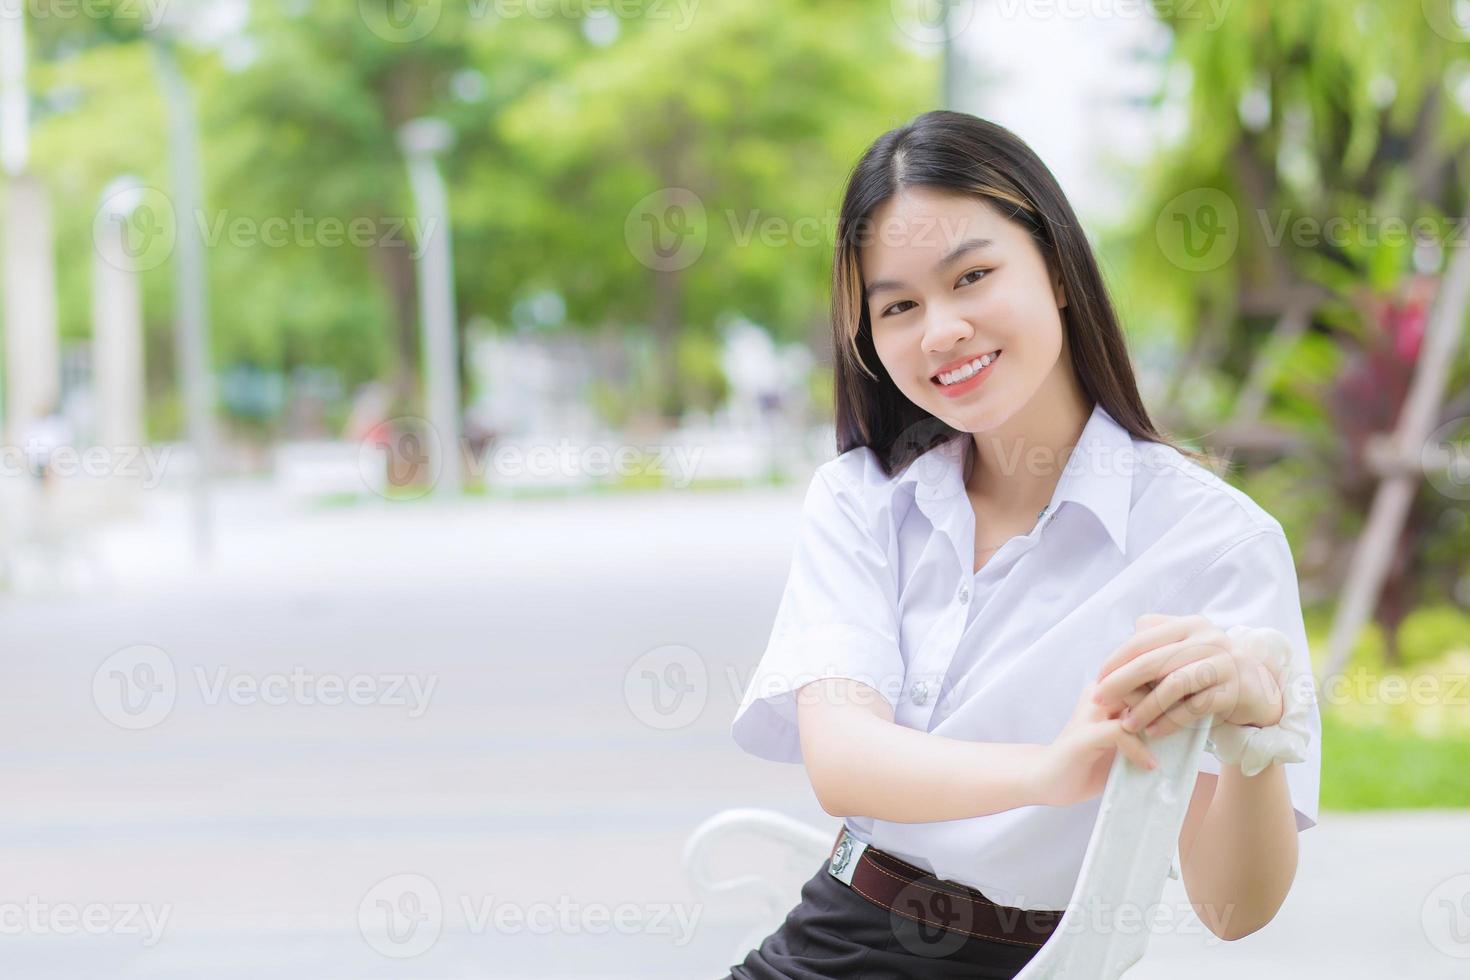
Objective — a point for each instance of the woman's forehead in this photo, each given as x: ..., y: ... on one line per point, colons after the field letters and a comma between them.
x: 918, y: 225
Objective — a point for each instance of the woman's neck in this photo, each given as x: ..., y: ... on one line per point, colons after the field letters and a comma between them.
x: 1016, y: 466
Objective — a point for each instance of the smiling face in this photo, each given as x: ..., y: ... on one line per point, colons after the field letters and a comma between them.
x: 949, y: 281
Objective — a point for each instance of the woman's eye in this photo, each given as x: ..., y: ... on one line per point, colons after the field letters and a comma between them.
x: 895, y: 307
x: 979, y: 273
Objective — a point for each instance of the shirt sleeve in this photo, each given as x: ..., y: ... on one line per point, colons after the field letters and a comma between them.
x: 837, y: 618
x: 1254, y: 583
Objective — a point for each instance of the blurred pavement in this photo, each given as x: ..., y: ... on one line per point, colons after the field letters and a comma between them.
x: 524, y: 778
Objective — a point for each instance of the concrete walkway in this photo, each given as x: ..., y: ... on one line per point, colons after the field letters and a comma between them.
x: 411, y: 740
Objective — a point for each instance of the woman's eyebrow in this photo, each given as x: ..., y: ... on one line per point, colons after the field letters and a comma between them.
x: 968, y: 245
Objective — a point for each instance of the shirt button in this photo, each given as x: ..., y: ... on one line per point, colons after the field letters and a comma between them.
x: 964, y: 594
x: 919, y: 692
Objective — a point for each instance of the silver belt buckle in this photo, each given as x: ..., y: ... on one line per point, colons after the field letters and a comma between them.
x: 845, y: 857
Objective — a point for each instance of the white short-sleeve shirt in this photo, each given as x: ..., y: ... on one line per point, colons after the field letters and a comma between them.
x: 882, y: 589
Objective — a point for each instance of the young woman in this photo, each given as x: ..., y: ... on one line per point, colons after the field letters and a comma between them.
x: 1005, y: 573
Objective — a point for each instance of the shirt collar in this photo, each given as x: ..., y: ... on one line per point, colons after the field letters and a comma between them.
x: 1098, y: 475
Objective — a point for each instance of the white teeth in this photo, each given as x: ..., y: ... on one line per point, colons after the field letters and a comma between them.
x: 964, y: 371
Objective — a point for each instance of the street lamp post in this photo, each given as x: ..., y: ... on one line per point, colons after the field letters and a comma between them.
x: 423, y: 141
x: 953, y: 63
x: 191, y: 314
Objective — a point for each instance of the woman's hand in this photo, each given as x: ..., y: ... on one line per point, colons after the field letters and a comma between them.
x: 1075, y: 765
x: 1176, y: 670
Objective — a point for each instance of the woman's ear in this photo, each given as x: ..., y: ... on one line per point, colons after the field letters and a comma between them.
x: 1058, y: 290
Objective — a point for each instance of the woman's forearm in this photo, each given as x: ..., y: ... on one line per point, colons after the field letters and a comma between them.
x: 861, y: 763
x: 1242, y: 863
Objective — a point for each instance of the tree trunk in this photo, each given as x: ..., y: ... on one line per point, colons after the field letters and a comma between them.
x: 396, y: 263
x: 668, y: 301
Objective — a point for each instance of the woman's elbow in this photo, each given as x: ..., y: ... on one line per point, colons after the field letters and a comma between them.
x: 831, y: 722
x: 834, y: 804
x: 826, y: 780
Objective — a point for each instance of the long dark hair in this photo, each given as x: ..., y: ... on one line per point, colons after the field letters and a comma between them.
x: 955, y: 151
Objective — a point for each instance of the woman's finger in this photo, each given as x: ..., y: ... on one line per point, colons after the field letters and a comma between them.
x: 1130, y: 745
x: 1202, y: 707
x: 1168, y: 694
x: 1129, y: 700
x: 1143, y: 639
x: 1186, y: 712
x: 1138, y: 751
x: 1150, y: 668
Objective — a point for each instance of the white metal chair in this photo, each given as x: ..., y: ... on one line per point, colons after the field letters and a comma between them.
x: 1127, y: 859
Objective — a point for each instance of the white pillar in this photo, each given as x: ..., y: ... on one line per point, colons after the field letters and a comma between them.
x: 117, y: 329
x: 32, y: 369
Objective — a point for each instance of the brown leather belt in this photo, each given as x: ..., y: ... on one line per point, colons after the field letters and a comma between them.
x: 905, y: 890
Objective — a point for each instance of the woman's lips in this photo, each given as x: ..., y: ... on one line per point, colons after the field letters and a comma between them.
x: 969, y: 384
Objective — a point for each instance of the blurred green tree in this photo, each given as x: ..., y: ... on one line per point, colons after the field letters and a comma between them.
x: 1325, y: 149
x: 688, y: 171
x: 564, y: 125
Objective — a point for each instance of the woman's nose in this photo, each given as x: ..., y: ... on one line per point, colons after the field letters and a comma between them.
x: 944, y: 331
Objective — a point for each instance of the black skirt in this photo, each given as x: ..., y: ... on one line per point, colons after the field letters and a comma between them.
x: 836, y: 934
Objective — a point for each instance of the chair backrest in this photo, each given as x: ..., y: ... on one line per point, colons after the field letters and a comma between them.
x: 1127, y: 859
x: 806, y: 845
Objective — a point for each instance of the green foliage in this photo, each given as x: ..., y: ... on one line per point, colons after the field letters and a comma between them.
x: 1383, y: 768
x: 758, y: 114
x: 757, y: 107
x: 1326, y: 135
x: 821, y: 387
x: 1398, y: 739
x: 1302, y: 113
x: 1432, y: 631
